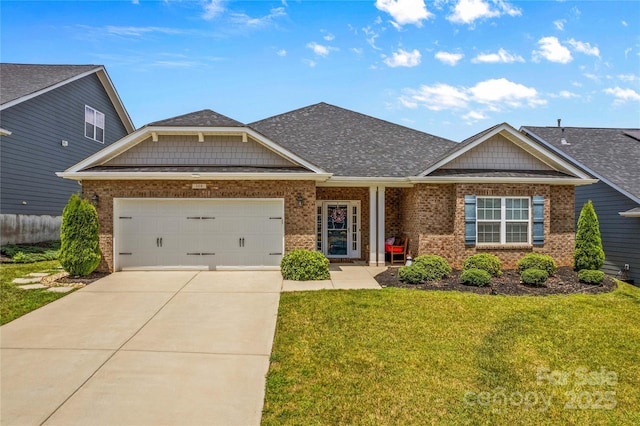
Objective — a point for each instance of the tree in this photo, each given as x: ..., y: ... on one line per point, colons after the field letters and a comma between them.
x: 79, y: 240
x: 588, y: 251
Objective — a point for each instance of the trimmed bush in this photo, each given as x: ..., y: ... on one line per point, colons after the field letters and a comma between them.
x: 590, y: 276
x: 538, y: 261
x: 485, y: 261
x: 436, y: 267
x: 474, y: 276
x: 304, y: 265
x: 412, y: 274
x: 79, y: 241
x: 589, y: 253
x: 533, y: 276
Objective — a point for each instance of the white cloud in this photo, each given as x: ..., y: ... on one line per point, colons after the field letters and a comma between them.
x: 468, y: 11
x: 623, y: 95
x: 309, y: 62
x: 502, y: 91
x: 329, y: 37
x: 436, y: 98
x: 213, y: 8
x: 559, y: 24
x: 449, y: 58
x: 371, y: 37
x: 140, y: 31
x: 356, y: 50
x: 402, y: 58
x: 629, y: 77
x: 405, y: 11
x: 489, y: 95
x: 585, y: 48
x: 564, y: 94
x: 244, y: 19
x: 473, y: 116
x: 501, y: 57
x: 552, y: 51
x: 281, y: 52
x: 320, y: 50
x: 624, y: 23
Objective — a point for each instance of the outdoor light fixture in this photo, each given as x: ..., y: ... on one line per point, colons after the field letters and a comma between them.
x: 95, y: 200
x: 300, y: 200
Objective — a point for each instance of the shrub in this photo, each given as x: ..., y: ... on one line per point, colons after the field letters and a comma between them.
x: 485, y: 261
x: 588, y: 249
x: 474, y: 276
x: 79, y: 241
x: 590, y: 276
x: 533, y: 276
x: 304, y: 265
x: 436, y: 267
x: 538, y: 261
x: 412, y: 274
x: 27, y: 253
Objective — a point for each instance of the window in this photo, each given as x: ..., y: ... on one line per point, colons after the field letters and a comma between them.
x: 503, y: 220
x: 93, y: 124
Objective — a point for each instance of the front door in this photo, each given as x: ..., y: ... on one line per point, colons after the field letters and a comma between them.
x: 338, y: 228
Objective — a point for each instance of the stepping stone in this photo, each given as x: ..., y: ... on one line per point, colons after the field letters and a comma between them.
x: 26, y: 280
x: 32, y: 286
x: 38, y: 274
x: 60, y: 289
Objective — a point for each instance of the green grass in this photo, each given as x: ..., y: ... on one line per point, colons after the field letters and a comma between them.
x: 415, y: 357
x: 15, y: 302
x: 29, y: 253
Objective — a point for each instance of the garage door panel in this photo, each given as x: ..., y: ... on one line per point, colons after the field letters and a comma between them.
x: 204, y: 234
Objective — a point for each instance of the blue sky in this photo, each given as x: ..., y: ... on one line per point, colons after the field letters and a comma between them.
x: 450, y: 68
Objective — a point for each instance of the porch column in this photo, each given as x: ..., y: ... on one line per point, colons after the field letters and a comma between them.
x: 381, y: 203
x: 373, y: 227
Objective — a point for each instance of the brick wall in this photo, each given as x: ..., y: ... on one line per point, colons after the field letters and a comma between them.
x: 433, y: 217
x: 299, y: 226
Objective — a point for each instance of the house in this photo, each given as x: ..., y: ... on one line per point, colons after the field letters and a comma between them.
x: 205, y: 191
x: 613, y: 157
x: 51, y: 116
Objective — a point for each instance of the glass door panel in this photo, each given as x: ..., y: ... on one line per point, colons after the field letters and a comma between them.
x: 337, y: 229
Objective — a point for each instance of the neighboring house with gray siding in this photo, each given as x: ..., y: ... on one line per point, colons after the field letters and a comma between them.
x: 613, y: 157
x: 51, y: 117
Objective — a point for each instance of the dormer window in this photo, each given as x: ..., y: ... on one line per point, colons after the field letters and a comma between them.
x: 93, y: 124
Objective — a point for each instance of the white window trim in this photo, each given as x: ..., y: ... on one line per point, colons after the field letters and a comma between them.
x: 104, y: 120
x: 503, y: 221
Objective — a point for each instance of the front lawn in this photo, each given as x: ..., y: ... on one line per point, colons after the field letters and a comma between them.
x: 15, y: 302
x: 399, y: 356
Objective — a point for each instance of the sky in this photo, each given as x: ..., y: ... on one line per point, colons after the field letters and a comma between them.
x: 450, y: 68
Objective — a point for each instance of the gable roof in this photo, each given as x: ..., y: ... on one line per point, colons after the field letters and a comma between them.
x: 203, y: 118
x: 21, y: 82
x: 561, y: 167
x: 610, y: 154
x: 348, y: 143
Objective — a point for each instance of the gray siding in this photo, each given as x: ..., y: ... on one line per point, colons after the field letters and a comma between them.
x: 33, y: 152
x: 620, y: 235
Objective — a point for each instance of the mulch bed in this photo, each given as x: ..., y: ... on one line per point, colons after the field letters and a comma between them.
x: 64, y: 279
x: 565, y: 281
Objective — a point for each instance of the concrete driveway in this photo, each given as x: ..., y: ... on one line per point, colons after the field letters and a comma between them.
x: 144, y: 348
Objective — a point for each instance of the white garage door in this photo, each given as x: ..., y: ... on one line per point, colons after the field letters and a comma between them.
x: 198, y: 234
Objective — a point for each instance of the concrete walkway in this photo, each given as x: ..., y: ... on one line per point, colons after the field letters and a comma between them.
x: 149, y: 348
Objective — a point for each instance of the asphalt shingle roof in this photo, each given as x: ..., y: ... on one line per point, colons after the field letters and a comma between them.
x: 614, y: 154
x: 348, y: 143
x: 18, y: 80
x: 203, y: 118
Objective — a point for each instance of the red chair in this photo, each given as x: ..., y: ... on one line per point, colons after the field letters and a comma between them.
x: 398, y: 250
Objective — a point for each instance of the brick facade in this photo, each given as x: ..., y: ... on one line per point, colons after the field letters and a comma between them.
x: 433, y: 217
x: 299, y: 226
